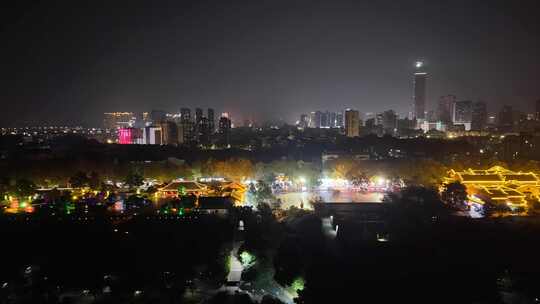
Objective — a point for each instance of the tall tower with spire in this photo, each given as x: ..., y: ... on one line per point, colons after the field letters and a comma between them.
x: 419, y: 97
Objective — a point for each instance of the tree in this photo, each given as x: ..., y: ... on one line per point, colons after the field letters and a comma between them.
x: 134, y: 178
x: 263, y: 192
x: 288, y: 262
x: 94, y: 180
x: 24, y: 187
x: 79, y: 180
x: 235, y: 169
x: 414, y: 208
x: 455, y: 195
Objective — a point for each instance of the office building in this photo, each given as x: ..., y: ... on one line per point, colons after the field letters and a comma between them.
x: 445, y: 108
x: 340, y: 121
x: 315, y: 119
x: 462, y: 114
x: 304, y: 121
x: 479, y: 116
x: 537, y: 110
x: 198, y: 115
x: 325, y: 119
x: 169, y: 133
x: 152, y: 135
x: 186, y: 125
x: 224, y: 129
x: 211, y: 121
x: 352, y: 123
x: 389, y: 121
x: 158, y: 116
x: 116, y: 120
x: 506, y: 119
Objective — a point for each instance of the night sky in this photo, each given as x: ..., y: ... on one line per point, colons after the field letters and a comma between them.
x: 68, y: 62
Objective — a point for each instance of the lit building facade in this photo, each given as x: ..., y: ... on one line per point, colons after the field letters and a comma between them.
x: 352, y: 123
x: 115, y: 120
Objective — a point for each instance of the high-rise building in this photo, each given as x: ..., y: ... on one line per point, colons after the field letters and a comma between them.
x: 125, y: 136
x: 197, y: 125
x: 115, y: 120
x: 445, y: 108
x: 152, y: 135
x: 352, y: 123
x: 340, y: 121
x: 315, y: 119
x: 169, y: 133
x: 304, y: 121
x: 420, y: 78
x: 224, y: 129
x: 379, y: 119
x: 369, y: 115
x: 506, y: 119
x: 211, y: 121
x: 204, y: 132
x: 537, y: 110
x: 186, y: 125
x: 332, y: 117
x: 185, y: 114
x: 389, y: 122
x: 158, y: 116
x: 492, y: 120
x: 462, y: 114
x: 325, y: 119
x: 479, y: 116
x: 198, y: 115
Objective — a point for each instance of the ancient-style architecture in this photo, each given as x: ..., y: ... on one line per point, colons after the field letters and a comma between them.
x: 498, y: 184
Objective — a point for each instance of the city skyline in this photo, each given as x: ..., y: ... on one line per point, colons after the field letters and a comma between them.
x: 75, y: 63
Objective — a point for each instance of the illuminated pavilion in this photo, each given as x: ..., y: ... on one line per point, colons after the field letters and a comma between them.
x: 498, y: 184
x: 225, y: 189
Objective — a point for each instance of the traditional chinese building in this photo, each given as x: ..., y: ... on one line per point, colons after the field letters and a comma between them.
x: 498, y: 184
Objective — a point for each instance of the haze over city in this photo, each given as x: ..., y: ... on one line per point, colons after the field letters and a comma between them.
x: 270, y: 152
x: 261, y: 60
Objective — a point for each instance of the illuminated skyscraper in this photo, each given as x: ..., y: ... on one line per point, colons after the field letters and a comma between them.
x: 352, y: 123
x: 419, y: 104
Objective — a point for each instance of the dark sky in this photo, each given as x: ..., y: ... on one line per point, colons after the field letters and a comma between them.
x: 69, y: 61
